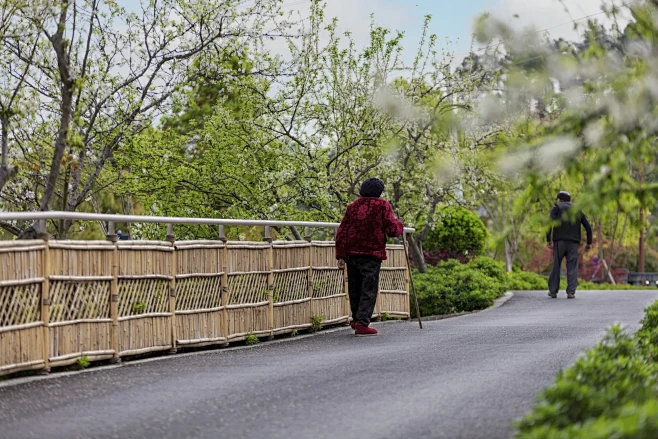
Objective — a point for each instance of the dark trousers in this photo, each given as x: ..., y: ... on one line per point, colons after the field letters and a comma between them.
x: 561, y: 250
x: 363, y: 284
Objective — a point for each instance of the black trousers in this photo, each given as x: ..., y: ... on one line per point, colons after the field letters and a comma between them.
x: 363, y: 285
x: 562, y: 250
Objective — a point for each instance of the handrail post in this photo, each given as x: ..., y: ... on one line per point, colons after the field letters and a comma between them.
x: 407, y: 274
x: 270, y: 280
x: 172, y: 287
x: 45, y: 295
x: 307, y: 234
x: 224, y: 285
x: 346, y: 290
x: 114, y: 292
x: 309, y: 276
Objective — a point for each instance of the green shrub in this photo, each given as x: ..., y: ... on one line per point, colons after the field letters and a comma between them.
x: 452, y: 287
x: 251, y: 339
x: 650, y: 320
x: 612, y: 392
x: 83, y: 362
x: 490, y: 268
x: 316, y: 323
x: 458, y: 231
x: 526, y: 281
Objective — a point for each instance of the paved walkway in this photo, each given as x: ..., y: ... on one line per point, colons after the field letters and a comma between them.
x: 466, y: 377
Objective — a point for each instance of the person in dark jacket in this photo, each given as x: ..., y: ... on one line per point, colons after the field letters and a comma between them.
x: 361, y: 244
x: 564, y: 240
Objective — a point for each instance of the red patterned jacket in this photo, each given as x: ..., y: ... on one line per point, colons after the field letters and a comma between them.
x: 364, y: 228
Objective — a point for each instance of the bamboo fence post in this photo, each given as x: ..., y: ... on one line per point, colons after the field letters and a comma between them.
x: 45, y: 296
x: 378, y: 303
x: 270, y: 280
x: 309, y: 275
x: 348, y: 307
x: 346, y: 290
x: 406, y: 281
x: 114, y: 292
x: 172, y: 288
x: 224, y: 284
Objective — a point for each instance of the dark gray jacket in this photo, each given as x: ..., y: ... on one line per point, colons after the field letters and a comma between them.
x: 568, y: 230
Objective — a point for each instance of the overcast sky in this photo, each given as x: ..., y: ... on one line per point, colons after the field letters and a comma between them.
x: 453, y: 19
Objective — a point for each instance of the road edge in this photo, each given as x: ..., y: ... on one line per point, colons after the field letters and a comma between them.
x: 31, y: 379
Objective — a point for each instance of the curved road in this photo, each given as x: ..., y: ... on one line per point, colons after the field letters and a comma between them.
x: 465, y: 377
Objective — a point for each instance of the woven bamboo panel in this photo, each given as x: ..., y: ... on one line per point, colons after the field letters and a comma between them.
x: 247, y: 288
x: 17, y: 263
x: 395, y: 257
x: 139, y: 258
x: 81, y: 258
x: 392, y: 280
x: 290, y: 285
x: 242, y: 321
x: 331, y: 308
x: 78, y: 338
x: 248, y: 256
x: 143, y: 296
x: 292, y: 254
x: 146, y: 334
x: 292, y: 316
x: 323, y: 254
x: 395, y: 304
x: 79, y: 300
x: 199, y: 292
x: 199, y: 257
x: 201, y: 327
x: 21, y: 349
x: 327, y: 282
x: 19, y: 305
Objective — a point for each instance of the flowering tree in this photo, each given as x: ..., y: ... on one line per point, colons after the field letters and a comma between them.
x: 88, y: 75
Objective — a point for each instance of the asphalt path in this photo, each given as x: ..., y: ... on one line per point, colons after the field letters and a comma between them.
x: 466, y: 377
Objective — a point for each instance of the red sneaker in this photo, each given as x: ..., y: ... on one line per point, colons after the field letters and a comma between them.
x: 363, y: 331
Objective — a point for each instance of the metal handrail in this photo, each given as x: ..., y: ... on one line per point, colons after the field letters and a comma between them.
x: 81, y: 216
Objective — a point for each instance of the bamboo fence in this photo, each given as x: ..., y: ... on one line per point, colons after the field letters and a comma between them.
x: 64, y: 300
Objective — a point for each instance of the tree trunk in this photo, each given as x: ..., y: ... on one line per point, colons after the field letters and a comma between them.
x: 640, y: 263
x: 6, y: 173
x: 417, y: 254
x: 296, y: 234
x: 66, y: 106
x: 509, y: 263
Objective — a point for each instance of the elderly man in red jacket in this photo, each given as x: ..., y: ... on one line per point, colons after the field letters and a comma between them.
x: 361, y: 243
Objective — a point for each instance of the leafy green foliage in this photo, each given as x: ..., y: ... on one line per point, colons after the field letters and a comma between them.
x: 83, y: 362
x: 459, y: 231
x: 251, y: 339
x: 526, y: 281
x: 452, y: 287
x: 610, y: 392
x: 316, y: 323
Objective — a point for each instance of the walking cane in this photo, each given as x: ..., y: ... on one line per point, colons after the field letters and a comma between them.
x: 411, y: 278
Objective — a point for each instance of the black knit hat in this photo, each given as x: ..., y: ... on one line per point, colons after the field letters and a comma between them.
x: 372, y: 187
x: 564, y: 196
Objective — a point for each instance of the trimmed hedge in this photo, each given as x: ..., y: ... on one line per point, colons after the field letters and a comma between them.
x: 611, y: 392
x: 452, y: 287
x: 458, y: 232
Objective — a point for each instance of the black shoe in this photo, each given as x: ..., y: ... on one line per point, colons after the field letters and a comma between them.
x: 552, y: 295
x: 571, y: 295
